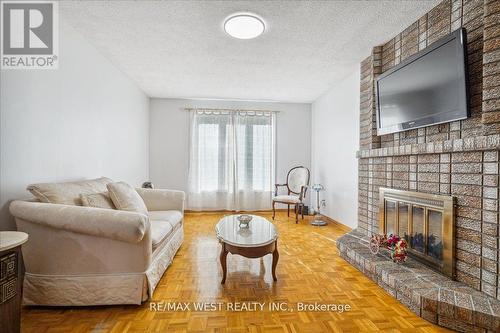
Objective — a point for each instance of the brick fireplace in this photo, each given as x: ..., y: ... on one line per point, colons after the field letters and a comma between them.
x: 458, y: 159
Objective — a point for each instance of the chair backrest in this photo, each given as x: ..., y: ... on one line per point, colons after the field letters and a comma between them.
x: 296, y: 178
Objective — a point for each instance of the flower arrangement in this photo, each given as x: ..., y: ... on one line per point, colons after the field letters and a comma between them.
x: 396, y: 245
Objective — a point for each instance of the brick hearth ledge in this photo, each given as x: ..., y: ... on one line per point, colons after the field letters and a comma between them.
x: 427, y: 293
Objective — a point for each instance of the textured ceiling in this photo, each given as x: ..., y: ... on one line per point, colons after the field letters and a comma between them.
x: 179, y: 49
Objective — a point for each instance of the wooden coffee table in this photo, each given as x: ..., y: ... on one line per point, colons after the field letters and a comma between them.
x: 255, y: 241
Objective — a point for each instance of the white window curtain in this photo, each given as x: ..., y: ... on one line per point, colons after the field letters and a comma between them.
x: 232, y: 160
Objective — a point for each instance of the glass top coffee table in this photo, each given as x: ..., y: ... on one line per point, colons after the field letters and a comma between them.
x: 256, y: 240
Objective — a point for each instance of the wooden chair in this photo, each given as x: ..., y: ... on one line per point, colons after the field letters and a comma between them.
x: 297, y: 181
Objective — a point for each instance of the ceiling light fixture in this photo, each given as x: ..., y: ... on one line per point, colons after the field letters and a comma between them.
x: 244, y: 26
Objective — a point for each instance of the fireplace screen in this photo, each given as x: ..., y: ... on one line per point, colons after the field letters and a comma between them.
x: 426, y: 221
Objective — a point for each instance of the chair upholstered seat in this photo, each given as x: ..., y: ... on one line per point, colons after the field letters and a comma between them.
x: 287, y: 198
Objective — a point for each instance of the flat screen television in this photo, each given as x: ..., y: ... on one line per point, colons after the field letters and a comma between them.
x: 427, y: 88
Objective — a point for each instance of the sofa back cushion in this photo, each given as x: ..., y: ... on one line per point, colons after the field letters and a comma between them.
x: 68, y: 193
x: 97, y: 200
x: 125, y: 197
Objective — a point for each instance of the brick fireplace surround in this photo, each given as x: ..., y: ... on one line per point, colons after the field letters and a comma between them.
x: 460, y: 158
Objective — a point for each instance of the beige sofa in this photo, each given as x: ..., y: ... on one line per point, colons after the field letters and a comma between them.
x: 93, y: 256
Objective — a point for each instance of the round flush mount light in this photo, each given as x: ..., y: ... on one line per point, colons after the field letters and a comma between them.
x: 244, y: 26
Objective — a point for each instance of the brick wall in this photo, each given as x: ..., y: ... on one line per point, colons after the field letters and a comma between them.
x: 460, y: 158
x: 370, y: 69
x: 491, y: 66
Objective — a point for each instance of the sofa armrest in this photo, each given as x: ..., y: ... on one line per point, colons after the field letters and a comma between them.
x: 107, y: 223
x: 160, y: 199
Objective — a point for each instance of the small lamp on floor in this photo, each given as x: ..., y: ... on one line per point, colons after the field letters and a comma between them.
x: 317, y: 214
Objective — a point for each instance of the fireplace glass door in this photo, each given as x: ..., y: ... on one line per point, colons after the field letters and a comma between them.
x: 435, y: 234
x: 417, y: 241
x: 425, y: 221
x: 403, y: 210
x: 391, y: 217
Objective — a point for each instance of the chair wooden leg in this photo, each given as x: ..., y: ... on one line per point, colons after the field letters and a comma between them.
x: 296, y: 213
x: 302, y: 210
x: 288, y: 210
x: 274, y: 210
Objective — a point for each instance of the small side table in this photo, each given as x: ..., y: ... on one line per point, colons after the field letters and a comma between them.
x: 11, y: 280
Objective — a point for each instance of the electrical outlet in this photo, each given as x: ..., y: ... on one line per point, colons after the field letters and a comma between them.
x: 323, y: 203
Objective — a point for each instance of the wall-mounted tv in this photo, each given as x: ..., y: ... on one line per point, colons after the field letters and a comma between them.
x: 427, y: 88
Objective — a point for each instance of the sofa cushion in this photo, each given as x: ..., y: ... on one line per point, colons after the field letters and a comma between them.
x: 174, y: 217
x: 159, y: 231
x: 125, y: 197
x: 67, y: 193
x: 98, y: 200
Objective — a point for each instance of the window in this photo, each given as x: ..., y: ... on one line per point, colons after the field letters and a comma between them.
x: 208, y: 139
x: 231, y: 160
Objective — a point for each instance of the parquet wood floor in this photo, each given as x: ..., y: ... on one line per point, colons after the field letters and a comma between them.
x: 309, y: 270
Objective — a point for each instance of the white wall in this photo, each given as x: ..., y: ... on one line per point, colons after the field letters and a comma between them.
x: 335, y: 140
x: 169, y: 137
x: 86, y: 119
